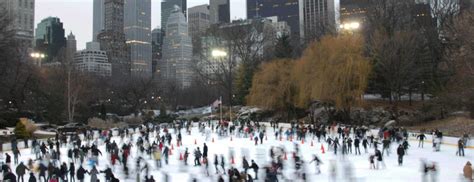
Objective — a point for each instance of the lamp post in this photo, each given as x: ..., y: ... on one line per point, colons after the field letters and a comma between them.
x: 350, y: 27
x: 218, y: 54
x: 422, y: 90
x: 37, y: 57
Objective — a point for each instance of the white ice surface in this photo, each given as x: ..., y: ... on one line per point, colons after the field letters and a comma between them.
x: 449, y: 165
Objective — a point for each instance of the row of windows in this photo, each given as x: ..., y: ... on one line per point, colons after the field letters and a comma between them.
x: 26, y: 4
x: 94, y: 52
x: 25, y: 21
x: 199, y: 15
x: 94, y: 68
x: 91, y: 61
x: 98, y: 64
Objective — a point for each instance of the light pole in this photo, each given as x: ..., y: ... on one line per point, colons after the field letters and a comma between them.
x: 422, y: 90
x: 350, y: 27
x: 216, y: 53
x: 219, y: 54
x: 38, y: 58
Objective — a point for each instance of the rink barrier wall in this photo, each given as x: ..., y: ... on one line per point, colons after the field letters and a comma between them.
x: 20, y: 144
x: 450, y: 141
x: 447, y: 140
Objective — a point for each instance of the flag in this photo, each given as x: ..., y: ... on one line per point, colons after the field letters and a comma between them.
x: 216, y: 103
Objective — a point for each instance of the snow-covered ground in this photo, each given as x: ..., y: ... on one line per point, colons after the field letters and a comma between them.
x: 449, y: 166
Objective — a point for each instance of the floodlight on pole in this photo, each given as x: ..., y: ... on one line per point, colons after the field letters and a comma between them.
x: 37, y: 57
x: 350, y: 26
x: 218, y: 53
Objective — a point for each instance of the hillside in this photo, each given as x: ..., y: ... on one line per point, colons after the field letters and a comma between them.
x: 452, y: 126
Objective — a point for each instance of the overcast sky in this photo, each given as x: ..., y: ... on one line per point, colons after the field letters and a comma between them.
x: 76, y: 15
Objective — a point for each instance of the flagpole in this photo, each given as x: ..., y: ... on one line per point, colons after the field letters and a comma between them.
x: 230, y: 111
x: 220, y: 104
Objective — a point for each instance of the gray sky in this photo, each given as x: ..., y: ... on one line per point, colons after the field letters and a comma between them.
x: 76, y: 15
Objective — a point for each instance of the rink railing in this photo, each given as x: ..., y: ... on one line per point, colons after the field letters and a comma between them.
x: 450, y: 141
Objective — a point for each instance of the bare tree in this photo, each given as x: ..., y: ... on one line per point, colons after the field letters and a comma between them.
x: 395, y: 21
x: 396, y: 62
x: 246, y: 43
x: 459, y: 93
x: 389, y: 16
x: 134, y: 93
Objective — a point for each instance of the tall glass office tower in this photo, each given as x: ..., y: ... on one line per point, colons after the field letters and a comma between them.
x: 177, y: 52
x: 137, y: 29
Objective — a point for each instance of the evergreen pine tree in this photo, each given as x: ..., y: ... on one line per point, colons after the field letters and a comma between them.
x: 20, y: 131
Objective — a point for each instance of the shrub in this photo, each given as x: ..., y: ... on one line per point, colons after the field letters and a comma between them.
x: 20, y: 131
x: 104, y: 124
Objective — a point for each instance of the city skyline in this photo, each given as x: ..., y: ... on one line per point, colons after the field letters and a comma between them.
x: 69, y: 12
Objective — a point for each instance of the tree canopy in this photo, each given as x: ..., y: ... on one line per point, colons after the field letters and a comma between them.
x: 273, y: 87
x: 333, y: 70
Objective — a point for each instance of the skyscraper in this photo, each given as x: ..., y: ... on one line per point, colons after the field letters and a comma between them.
x: 285, y: 10
x: 219, y: 11
x: 71, y: 46
x: 156, y: 44
x: 198, y: 20
x: 98, y: 18
x: 317, y: 17
x: 167, y: 6
x: 23, y: 14
x: 138, y: 34
x: 156, y: 41
x: 177, y: 52
x: 49, y: 38
x: 112, y: 38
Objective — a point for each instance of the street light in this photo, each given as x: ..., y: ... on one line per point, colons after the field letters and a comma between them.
x: 37, y: 56
x: 351, y: 26
x: 422, y: 90
x: 218, y: 53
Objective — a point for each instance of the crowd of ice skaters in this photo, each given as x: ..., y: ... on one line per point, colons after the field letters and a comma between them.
x: 155, y: 142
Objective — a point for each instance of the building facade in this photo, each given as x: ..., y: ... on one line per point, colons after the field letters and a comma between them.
x: 156, y: 47
x: 318, y: 17
x: 280, y: 28
x: 137, y: 28
x: 112, y: 39
x: 49, y: 38
x: 71, y: 46
x: 93, y: 61
x: 219, y: 11
x: 97, y: 18
x: 285, y: 10
x: 198, y: 20
x: 177, y: 52
x: 208, y: 64
x: 23, y: 14
x: 354, y: 11
x: 167, y: 7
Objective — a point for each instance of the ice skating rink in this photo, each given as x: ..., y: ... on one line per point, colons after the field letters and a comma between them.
x: 350, y: 167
